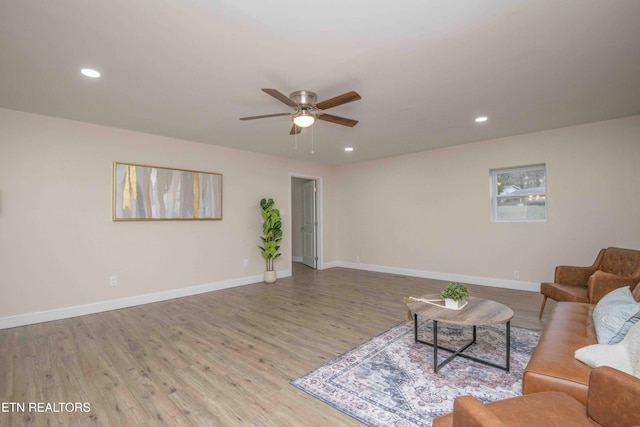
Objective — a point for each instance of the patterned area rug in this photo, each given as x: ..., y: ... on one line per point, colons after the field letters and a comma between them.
x: 389, y: 380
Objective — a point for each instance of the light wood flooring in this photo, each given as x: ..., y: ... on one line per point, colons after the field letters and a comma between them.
x: 223, y: 358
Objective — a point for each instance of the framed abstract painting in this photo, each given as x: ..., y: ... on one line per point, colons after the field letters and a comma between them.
x: 142, y: 192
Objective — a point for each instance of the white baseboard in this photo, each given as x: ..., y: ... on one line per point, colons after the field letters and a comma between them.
x: 98, y: 307
x: 296, y: 258
x: 475, y: 280
x: 332, y: 264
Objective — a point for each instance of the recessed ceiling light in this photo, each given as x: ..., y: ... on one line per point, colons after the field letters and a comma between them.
x: 481, y: 119
x: 89, y: 72
x: 348, y: 149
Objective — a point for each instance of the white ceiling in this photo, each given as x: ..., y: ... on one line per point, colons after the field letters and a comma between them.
x: 424, y: 68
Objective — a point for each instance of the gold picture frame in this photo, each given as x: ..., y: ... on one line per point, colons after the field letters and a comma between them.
x: 143, y: 193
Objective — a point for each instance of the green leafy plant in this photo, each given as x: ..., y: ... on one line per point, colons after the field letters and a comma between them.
x: 455, y: 291
x: 271, y: 232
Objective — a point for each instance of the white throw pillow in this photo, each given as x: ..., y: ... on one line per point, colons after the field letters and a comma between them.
x: 623, y: 356
x: 614, y: 314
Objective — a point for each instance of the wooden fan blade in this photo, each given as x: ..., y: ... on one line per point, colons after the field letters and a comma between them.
x: 281, y: 97
x: 338, y: 120
x: 295, y: 129
x: 265, y: 116
x: 339, y: 100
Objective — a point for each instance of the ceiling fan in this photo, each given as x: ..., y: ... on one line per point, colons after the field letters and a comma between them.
x: 306, y: 110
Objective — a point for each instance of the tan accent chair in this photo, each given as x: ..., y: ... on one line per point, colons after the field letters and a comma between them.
x: 613, y: 268
x: 612, y: 401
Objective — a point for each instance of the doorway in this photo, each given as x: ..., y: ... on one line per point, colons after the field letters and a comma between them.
x: 305, y: 224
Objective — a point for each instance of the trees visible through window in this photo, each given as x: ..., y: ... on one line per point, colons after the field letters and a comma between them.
x: 519, y: 194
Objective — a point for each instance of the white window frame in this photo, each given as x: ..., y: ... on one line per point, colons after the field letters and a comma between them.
x: 493, y: 189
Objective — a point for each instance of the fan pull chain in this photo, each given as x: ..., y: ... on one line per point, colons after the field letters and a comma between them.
x: 295, y: 136
x: 312, y: 150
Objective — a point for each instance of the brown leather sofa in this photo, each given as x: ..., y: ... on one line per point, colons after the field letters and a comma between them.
x: 557, y: 388
x: 612, y: 402
x: 613, y: 268
x: 553, y: 366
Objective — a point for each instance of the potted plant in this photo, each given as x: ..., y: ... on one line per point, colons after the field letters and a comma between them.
x: 454, y: 295
x: 271, y: 237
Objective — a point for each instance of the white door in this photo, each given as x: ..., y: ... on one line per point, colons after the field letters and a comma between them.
x: 309, y: 224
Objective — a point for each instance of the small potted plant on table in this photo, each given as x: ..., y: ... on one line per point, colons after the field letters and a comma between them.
x: 454, y: 295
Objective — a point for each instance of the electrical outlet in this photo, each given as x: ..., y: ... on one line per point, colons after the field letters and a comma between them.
x: 113, y: 281
x: 245, y: 264
x: 516, y: 274
x: 357, y: 259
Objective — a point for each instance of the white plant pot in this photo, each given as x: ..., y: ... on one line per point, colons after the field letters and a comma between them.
x: 449, y: 303
x: 270, y: 276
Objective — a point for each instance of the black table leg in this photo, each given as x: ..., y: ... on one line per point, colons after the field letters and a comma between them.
x: 437, y: 366
x: 435, y: 346
x: 508, y: 339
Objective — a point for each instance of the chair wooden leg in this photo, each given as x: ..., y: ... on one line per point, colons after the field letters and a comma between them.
x: 544, y: 301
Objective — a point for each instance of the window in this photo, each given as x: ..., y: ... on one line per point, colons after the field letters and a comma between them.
x: 519, y: 194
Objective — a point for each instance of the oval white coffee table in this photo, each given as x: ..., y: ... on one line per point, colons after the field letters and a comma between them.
x: 477, y: 312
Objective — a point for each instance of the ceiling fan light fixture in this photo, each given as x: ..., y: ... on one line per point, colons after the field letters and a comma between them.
x: 304, y: 119
x: 304, y: 110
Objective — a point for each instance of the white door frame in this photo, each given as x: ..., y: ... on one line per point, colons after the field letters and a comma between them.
x: 309, y: 223
x: 319, y: 239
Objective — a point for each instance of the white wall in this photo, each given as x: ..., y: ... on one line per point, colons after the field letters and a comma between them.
x: 58, y: 245
x: 428, y: 214
x: 425, y: 214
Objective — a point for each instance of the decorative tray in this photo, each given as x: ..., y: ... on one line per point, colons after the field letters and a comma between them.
x: 436, y: 302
